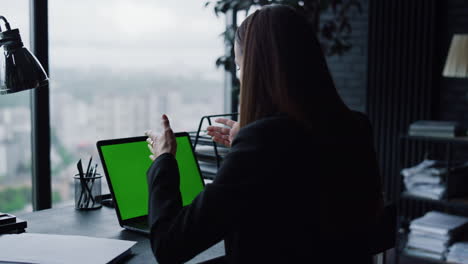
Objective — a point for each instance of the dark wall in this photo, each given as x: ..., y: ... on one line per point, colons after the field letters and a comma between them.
x: 402, y: 78
x: 416, y: 36
x: 349, y: 70
x: 408, y: 46
x: 453, y: 93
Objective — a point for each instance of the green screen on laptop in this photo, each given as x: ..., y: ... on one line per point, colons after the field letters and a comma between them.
x: 127, y: 164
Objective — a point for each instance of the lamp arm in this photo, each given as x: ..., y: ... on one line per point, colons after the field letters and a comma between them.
x: 7, y: 25
x: 4, y: 40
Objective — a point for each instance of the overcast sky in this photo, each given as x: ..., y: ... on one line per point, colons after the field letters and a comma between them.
x: 177, y: 37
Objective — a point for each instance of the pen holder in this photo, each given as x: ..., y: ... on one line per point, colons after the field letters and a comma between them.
x: 87, y: 192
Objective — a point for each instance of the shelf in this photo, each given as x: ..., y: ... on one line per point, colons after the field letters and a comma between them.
x: 209, y: 150
x: 414, y: 204
x: 461, y: 140
x: 209, y: 154
x: 418, y: 259
x: 202, y: 140
x: 207, y: 157
x: 457, y: 202
x: 208, y: 169
x: 425, y: 259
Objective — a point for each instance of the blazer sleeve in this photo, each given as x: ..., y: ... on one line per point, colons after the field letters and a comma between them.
x: 180, y: 233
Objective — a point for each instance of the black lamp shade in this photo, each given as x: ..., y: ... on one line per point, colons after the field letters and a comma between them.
x: 20, y: 70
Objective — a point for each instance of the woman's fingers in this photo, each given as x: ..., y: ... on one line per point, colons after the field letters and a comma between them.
x: 167, y: 142
x: 149, y: 133
x: 161, y: 143
x: 225, y: 121
x: 222, y: 130
x: 221, y: 134
x: 218, y: 135
x: 222, y: 141
x: 220, y: 138
x: 165, y: 122
x: 151, y: 136
x: 150, y: 141
x: 150, y: 147
x: 167, y: 126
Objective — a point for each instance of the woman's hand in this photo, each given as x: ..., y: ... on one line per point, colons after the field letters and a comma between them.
x: 163, y: 143
x: 224, y: 135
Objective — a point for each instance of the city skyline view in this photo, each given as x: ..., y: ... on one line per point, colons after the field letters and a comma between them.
x: 112, y: 74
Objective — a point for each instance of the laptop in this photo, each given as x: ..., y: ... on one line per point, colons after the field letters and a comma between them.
x: 126, y: 161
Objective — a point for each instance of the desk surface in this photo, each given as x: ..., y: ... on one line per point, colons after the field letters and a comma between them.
x: 101, y: 223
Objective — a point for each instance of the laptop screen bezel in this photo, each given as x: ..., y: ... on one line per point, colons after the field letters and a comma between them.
x: 108, y: 142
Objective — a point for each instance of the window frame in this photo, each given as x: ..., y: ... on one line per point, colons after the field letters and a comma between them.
x: 40, y: 111
x: 40, y: 106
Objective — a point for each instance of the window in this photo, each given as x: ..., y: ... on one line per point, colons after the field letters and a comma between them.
x: 15, y: 127
x: 117, y: 65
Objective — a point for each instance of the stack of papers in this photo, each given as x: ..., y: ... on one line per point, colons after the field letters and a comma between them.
x: 458, y: 253
x: 425, y: 180
x: 60, y: 249
x: 433, y: 128
x: 208, y: 169
x: 428, y: 245
x: 431, y: 235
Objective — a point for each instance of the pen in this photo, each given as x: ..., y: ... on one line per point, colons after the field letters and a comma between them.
x: 89, y: 166
x: 95, y: 169
x: 92, y: 181
x: 88, y: 195
x: 80, y: 171
x: 85, y: 191
x: 88, y: 175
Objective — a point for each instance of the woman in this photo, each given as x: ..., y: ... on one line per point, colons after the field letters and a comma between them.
x: 301, y: 182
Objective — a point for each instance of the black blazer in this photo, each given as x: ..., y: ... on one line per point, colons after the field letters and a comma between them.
x: 284, y: 194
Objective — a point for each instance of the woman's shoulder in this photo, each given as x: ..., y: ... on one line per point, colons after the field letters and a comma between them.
x: 272, y: 128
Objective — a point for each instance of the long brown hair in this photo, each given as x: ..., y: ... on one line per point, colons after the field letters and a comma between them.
x: 284, y: 69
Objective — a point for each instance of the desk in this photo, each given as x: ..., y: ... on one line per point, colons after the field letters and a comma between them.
x: 101, y: 223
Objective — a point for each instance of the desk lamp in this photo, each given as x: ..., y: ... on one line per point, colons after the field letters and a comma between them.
x: 19, y: 70
x: 456, y: 65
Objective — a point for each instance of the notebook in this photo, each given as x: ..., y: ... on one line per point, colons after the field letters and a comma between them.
x: 60, y: 249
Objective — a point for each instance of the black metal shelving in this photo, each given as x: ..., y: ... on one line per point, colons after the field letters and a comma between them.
x: 425, y: 259
x: 411, y: 206
x: 450, y: 140
x: 461, y: 202
x: 209, y: 154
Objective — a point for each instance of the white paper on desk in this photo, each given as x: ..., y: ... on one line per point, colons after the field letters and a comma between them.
x: 55, y: 249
